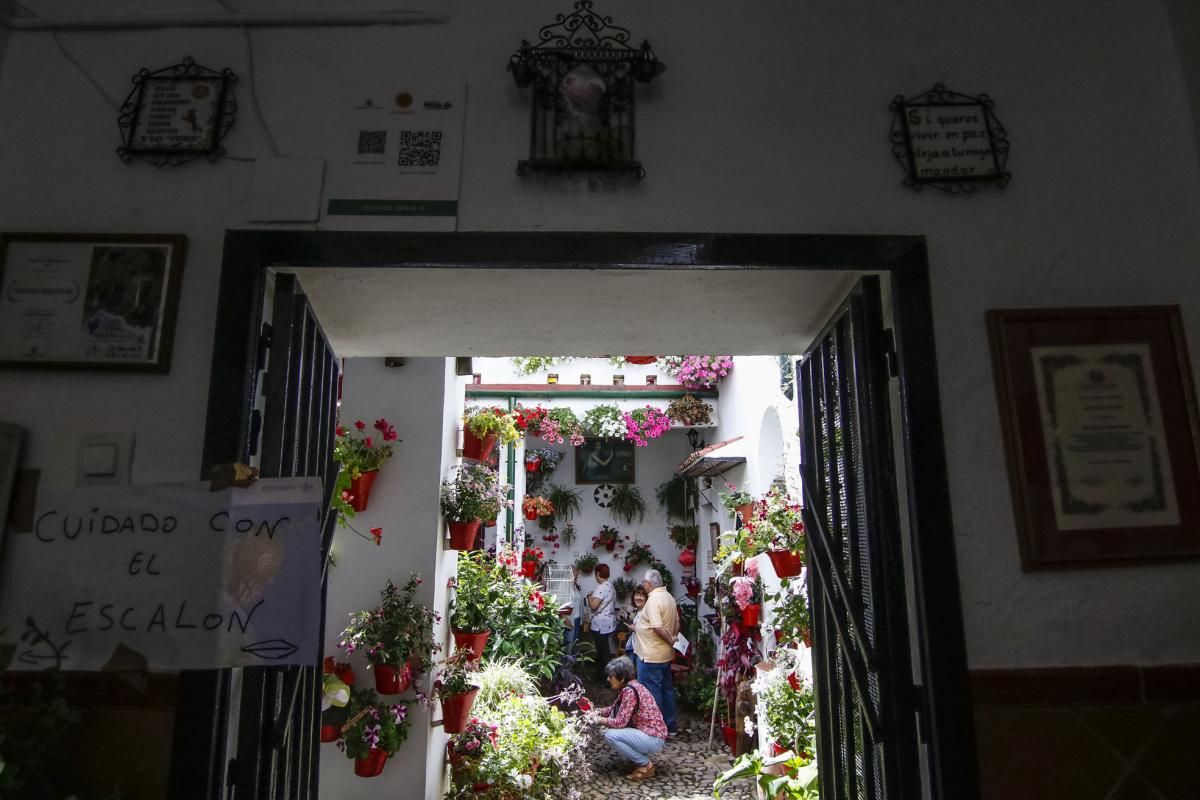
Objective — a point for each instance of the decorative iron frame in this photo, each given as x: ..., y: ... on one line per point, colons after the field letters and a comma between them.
x: 187, y: 71
x: 566, y: 135
x: 940, y: 96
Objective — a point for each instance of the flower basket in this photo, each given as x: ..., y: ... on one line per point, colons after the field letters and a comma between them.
x: 687, y: 557
x: 786, y: 563
x: 372, y: 764
x: 750, y: 615
x: 360, y: 489
x: 529, y: 569
x: 463, y: 534
x: 476, y: 448
x: 330, y: 733
x: 391, y: 680
x: 456, y: 709
x: 475, y: 642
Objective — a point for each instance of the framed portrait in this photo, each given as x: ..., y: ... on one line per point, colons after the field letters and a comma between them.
x: 1100, y: 426
x: 89, y: 301
x: 604, y: 461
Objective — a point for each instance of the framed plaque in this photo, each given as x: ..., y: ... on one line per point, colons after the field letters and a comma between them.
x: 1100, y: 425
x: 177, y: 114
x: 89, y: 301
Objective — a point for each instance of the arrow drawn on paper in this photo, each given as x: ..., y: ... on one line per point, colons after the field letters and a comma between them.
x: 270, y: 649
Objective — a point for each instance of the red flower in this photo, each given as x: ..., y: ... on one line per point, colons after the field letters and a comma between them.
x: 341, y: 431
x: 360, y: 424
x: 367, y: 442
x: 378, y: 534
x: 538, y: 600
x: 629, y: 567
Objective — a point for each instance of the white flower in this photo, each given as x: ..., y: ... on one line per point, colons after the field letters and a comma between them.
x: 524, y: 780
x: 749, y: 723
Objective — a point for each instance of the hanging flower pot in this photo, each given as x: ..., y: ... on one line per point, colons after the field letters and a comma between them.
x: 687, y: 557
x: 360, y: 489
x: 787, y: 564
x: 730, y: 735
x: 475, y: 642
x: 529, y: 569
x: 330, y: 733
x: 744, y: 512
x: 693, y: 590
x: 750, y: 615
x: 532, y: 464
x: 476, y: 448
x: 391, y: 680
x: 546, y: 521
x: 531, y: 513
x: 641, y: 359
x: 456, y: 709
x: 372, y: 764
x: 610, y: 546
x: 462, y: 534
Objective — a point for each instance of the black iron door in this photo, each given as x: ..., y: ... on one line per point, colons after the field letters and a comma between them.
x: 276, y: 755
x: 866, y: 723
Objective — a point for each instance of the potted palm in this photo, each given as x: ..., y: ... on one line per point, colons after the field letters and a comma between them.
x: 472, y: 494
x: 396, y: 636
x: 374, y: 733
x: 478, y: 590
x: 484, y: 428
x: 456, y: 689
x: 361, y: 455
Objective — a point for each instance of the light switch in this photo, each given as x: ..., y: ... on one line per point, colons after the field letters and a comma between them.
x: 104, y: 459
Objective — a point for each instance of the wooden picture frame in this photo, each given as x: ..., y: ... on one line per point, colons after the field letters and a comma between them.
x: 601, y: 460
x: 83, y: 301
x: 1100, y: 428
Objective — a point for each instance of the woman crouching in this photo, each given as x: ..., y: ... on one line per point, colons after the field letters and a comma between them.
x: 635, y: 725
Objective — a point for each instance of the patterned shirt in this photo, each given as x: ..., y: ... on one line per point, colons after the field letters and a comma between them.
x: 647, y: 718
x: 604, y: 617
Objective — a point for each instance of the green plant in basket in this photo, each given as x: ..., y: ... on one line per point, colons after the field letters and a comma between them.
x: 374, y: 725
x: 626, y: 504
x: 492, y: 421
x: 565, y: 501
x: 690, y: 411
x: 396, y: 631
x: 685, y: 535
x: 586, y: 562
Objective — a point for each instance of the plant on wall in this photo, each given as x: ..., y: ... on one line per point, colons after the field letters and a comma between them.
x: 528, y: 365
x: 375, y: 732
x: 397, y: 632
x: 566, y: 426
x: 568, y: 534
x: 605, y: 421
x: 493, y: 421
x: 566, y: 503
x: 627, y: 504
x: 698, y: 372
x: 359, y: 452
x: 644, y: 424
x: 684, y: 535
x: 672, y: 497
x: 687, y: 410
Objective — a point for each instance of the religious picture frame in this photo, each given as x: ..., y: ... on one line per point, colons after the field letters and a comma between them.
x: 89, y: 301
x: 1098, y: 410
x: 604, y: 460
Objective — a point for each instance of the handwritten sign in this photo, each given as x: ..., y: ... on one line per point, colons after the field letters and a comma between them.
x: 165, y: 578
x: 177, y: 114
x: 950, y: 141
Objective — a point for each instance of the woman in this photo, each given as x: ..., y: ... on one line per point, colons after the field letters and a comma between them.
x: 630, y: 622
x: 635, y: 725
x: 603, y: 602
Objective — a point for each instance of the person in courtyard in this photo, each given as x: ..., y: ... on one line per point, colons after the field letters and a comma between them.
x: 656, y: 629
x: 603, y: 602
x: 629, y: 620
x: 574, y: 622
x: 635, y: 725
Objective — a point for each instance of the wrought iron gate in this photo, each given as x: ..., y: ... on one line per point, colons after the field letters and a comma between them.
x: 866, y: 722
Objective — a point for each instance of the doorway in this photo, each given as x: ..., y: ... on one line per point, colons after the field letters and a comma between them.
x: 940, y: 722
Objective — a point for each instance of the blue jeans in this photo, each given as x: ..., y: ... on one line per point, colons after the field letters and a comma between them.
x: 657, y: 679
x: 633, y: 744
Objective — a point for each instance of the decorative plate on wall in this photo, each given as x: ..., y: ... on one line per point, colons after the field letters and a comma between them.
x: 603, y: 494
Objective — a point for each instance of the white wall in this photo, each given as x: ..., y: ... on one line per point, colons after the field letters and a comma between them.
x: 768, y: 120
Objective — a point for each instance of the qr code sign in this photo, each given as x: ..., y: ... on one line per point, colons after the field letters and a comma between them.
x: 372, y: 142
x: 420, y: 148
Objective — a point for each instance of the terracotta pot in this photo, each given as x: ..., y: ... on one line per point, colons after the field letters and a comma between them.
x: 687, y: 557
x: 531, y: 514
x: 786, y: 563
x: 610, y: 546
x: 475, y: 642
x: 744, y: 512
x: 750, y: 615
x: 330, y: 733
x: 456, y: 710
x: 360, y: 489
x: 391, y: 680
x: 462, y: 534
x: 491, y: 523
x: 730, y: 735
x: 372, y: 765
x: 478, y: 449
x: 529, y: 569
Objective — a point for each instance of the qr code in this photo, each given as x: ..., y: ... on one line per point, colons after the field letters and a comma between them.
x: 420, y: 148
x: 372, y: 142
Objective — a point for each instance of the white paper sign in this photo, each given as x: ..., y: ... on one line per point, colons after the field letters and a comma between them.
x: 165, y: 577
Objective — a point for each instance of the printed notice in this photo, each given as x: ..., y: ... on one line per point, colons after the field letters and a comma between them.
x: 950, y: 141
x: 165, y: 578
x: 1105, y: 442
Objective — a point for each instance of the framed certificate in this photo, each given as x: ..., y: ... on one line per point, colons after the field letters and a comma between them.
x: 1100, y: 426
x: 89, y: 301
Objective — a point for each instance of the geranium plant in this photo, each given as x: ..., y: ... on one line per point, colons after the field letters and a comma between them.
x: 473, y: 492
x: 698, y: 372
x: 492, y: 421
x: 398, y: 631
x: 690, y: 411
x: 684, y: 535
x: 361, y: 452
x: 457, y: 675
x: 606, y: 538
x: 644, y: 424
x: 637, y: 553
x: 374, y: 725
x: 605, y: 421
x: 533, y: 554
x: 537, y: 506
x: 777, y: 522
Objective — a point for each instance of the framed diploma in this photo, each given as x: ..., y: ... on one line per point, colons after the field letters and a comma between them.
x: 1100, y: 426
x: 93, y: 302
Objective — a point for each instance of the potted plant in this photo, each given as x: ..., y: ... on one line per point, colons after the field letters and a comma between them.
x: 689, y: 411
x: 698, y: 372
x: 638, y: 553
x: 605, y: 421
x: 568, y: 535
x: 748, y: 594
x: 536, y: 506
x: 626, y: 504
x: 586, y: 563
x: 483, y: 428
x: 531, y: 558
x: 375, y: 732
x: 472, y: 494
x: 644, y: 424
x: 396, y: 636
x: 799, y: 783
x: 787, y: 703
x: 456, y: 689
x: 623, y: 587
x: 337, y: 679
x: 737, y: 502
x: 790, y: 614
x: 778, y: 527
x: 361, y: 455
x: 559, y: 424
x: 685, y: 537
x: 565, y: 501
x: 606, y: 538
x: 692, y: 584
x: 477, y: 592
x: 467, y: 749
x: 673, y: 495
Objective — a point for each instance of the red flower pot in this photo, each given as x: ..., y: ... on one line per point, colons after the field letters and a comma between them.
x: 330, y: 733
x: 391, y: 680
x: 456, y: 709
x: 372, y: 765
x: 462, y: 534
x: 478, y: 449
x: 529, y: 569
x: 744, y: 512
x: 531, y: 514
x: 693, y: 590
x: 730, y: 735
x: 360, y: 489
x: 610, y: 546
x: 750, y: 615
x: 687, y: 557
x: 641, y: 359
x: 786, y: 563
x: 533, y: 464
x: 475, y: 642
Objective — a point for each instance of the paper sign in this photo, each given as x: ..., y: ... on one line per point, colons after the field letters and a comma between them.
x: 168, y: 577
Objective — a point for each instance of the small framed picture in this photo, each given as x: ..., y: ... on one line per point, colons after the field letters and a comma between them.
x: 176, y: 114
x: 1100, y: 425
x: 604, y: 461
x: 89, y: 301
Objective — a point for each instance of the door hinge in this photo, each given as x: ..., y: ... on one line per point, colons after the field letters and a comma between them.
x: 264, y: 344
x: 918, y: 700
x: 889, y: 353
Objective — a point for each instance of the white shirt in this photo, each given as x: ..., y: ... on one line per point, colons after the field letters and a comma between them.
x: 604, y: 617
